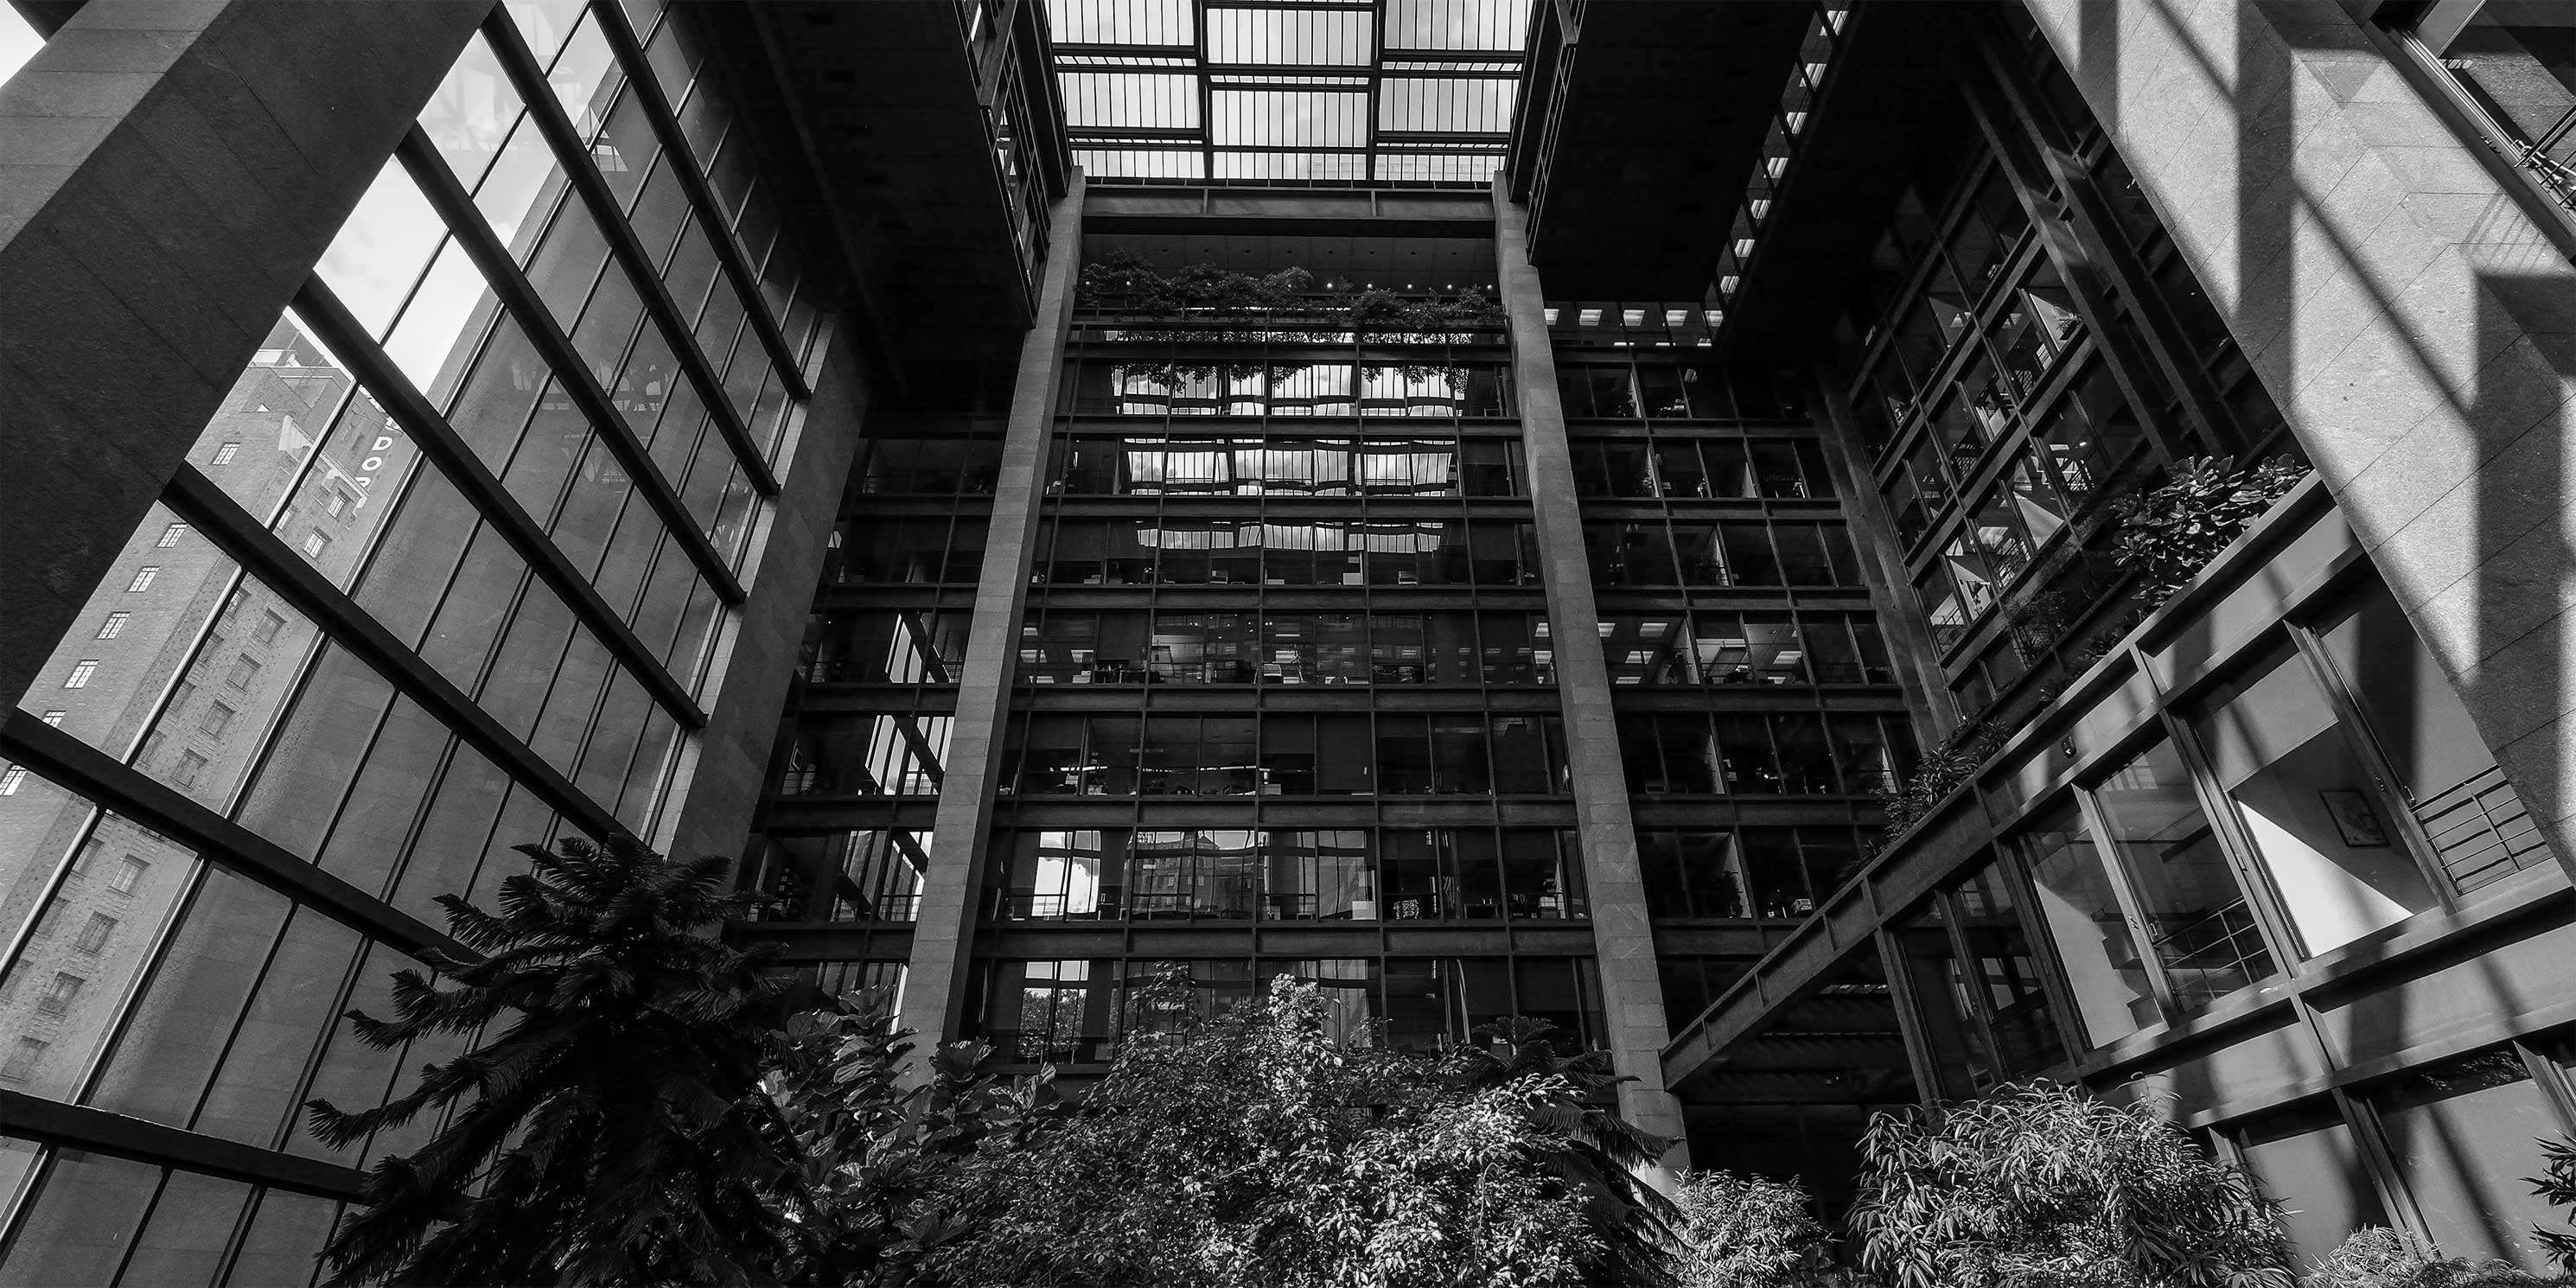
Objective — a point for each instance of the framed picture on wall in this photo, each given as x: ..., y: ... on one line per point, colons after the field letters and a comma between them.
x: 2354, y: 818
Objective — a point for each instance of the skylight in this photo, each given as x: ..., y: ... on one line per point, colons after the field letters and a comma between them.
x: 1386, y: 91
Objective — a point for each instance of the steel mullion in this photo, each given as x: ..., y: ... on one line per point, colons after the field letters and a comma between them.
x: 203, y: 503
x: 2355, y: 733
x: 2115, y: 867
x: 81, y: 1127
x: 116, y: 787
x: 628, y: 252
x: 1376, y: 88
x: 1207, y: 95
x: 492, y: 501
x: 571, y: 373
x: 684, y: 165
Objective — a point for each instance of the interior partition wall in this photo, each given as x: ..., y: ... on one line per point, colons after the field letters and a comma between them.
x: 457, y: 566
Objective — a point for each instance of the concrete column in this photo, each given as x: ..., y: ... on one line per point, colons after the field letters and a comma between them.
x: 169, y: 173
x: 943, y: 938
x: 1622, y: 935
x: 2405, y: 308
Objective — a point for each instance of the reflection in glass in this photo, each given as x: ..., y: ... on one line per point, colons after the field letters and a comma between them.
x: 2311, y: 808
x: 2480, y: 830
x: 2077, y: 903
x: 2463, y: 1133
x: 2197, y: 919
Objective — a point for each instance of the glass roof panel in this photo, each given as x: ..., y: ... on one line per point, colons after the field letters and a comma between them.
x: 1456, y: 24
x: 1123, y: 22
x: 1130, y: 100
x: 1291, y: 37
x: 1393, y: 91
x: 1235, y: 164
x: 1296, y: 119
x: 1450, y: 105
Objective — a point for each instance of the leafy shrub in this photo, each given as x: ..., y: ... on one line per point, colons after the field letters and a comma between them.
x: 1260, y: 1149
x: 2172, y: 532
x: 2378, y: 1257
x: 2558, y: 1185
x: 1937, y: 774
x: 877, y: 1152
x: 2040, y: 1185
x: 1123, y: 280
x: 1747, y: 1232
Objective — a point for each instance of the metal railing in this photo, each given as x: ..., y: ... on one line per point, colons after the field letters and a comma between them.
x: 2481, y: 831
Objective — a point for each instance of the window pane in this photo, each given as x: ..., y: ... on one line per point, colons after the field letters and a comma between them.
x: 79, y: 1220
x: 2312, y: 810
x: 2307, y: 1161
x: 2464, y: 1134
x: 2197, y: 919
x: 2480, y: 830
x: 2083, y: 916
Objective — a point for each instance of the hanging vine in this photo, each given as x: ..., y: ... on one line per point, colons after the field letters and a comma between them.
x: 1123, y: 283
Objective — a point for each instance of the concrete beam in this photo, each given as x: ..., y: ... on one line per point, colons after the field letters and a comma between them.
x: 2408, y: 303
x: 170, y: 175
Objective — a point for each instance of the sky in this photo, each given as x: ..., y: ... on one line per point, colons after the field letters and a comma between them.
x: 18, y: 41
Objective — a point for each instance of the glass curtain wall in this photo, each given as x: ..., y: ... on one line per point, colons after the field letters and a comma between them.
x: 1284, y: 664
x: 539, y: 469
x: 1744, y: 651
x: 1994, y: 416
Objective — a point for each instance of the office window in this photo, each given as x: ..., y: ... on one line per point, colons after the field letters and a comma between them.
x: 2463, y: 1135
x: 54, y: 718
x: 170, y: 535
x: 315, y: 542
x: 245, y: 670
x: 129, y: 874
x: 81, y: 858
x: 337, y: 504
x: 2081, y: 910
x: 22, y: 1058
x: 142, y: 580
x: 93, y: 936
x: 270, y: 623
x: 58, y: 996
x: 218, y: 718
x: 10, y: 778
x: 224, y: 454
x: 113, y: 626
x: 2307, y: 1160
x: 81, y: 671
x: 2479, y: 829
x: 2316, y: 815
x: 190, y: 765
x: 2198, y: 923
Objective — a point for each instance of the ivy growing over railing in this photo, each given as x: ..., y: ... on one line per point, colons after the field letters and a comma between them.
x: 1124, y: 284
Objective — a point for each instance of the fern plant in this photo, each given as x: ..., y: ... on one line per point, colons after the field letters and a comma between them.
x: 613, y: 1131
